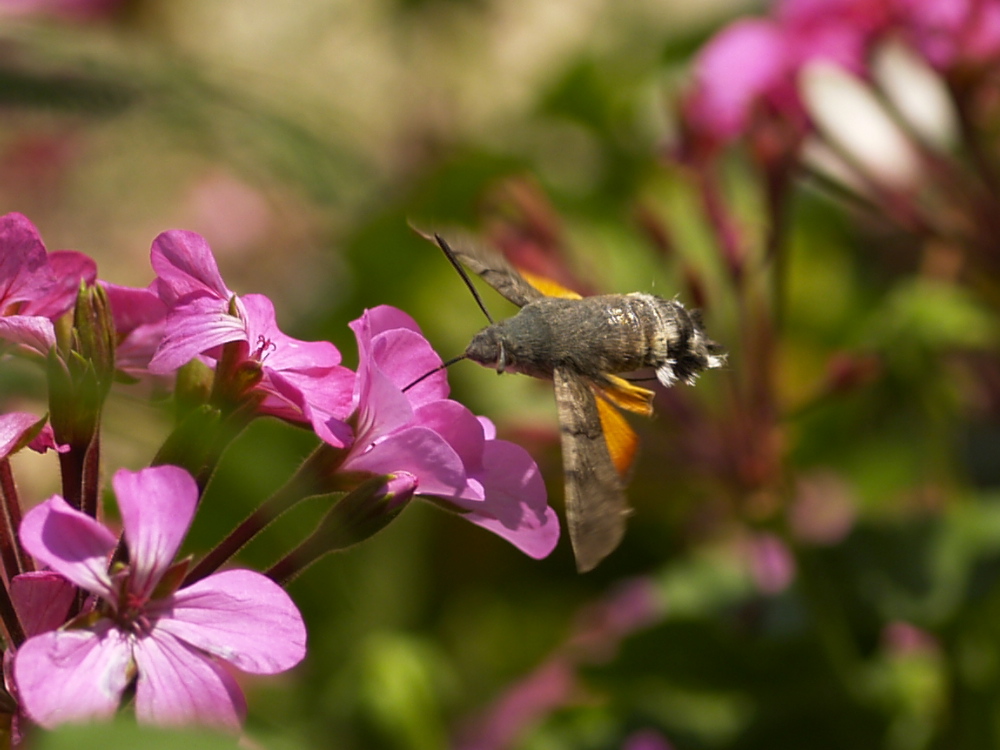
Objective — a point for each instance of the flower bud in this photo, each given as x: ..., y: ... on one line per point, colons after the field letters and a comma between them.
x: 367, y: 510
x: 81, y: 377
x: 94, y: 333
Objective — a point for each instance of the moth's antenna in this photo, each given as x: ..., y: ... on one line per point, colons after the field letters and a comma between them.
x: 461, y: 272
x: 426, y: 375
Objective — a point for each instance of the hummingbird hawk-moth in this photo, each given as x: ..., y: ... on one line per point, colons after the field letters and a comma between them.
x: 582, y: 344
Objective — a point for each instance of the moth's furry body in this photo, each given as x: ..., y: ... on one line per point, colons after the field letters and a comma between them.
x: 595, y: 336
x: 581, y: 344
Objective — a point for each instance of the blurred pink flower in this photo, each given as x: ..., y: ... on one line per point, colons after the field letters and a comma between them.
x: 301, y: 381
x: 823, y: 511
x: 902, y: 639
x: 950, y: 33
x: 646, y: 739
x: 173, y: 640
x: 743, y: 67
x: 454, y: 456
x: 598, y: 630
x: 632, y: 605
x: 71, y: 9
x: 770, y: 562
x: 747, y: 74
x: 525, y: 704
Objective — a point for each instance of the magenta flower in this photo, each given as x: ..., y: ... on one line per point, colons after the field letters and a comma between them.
x: 35, y: 287
x: 302, y: 381
x: 453, y: 455
x: 173, y: 642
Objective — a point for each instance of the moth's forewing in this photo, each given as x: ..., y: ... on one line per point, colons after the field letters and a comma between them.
x: 490, y: 265
x: 595, y: 500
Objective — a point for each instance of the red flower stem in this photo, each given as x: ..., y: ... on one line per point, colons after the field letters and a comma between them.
x: 778, y: 183
x: 363, y: 512
x: 978, y: 151
x: 91, y: 475
x: 11, y: 623
x: 11, y: 553
x: 722, y: 223
x: 299, y: 487
x: 71, y: 469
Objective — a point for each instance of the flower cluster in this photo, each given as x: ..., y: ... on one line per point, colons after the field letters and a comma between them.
x: 91, y: 620
x: 749, y: 78
x: 890, y: 104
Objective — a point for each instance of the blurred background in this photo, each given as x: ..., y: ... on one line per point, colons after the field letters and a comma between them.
x: 814, y: 554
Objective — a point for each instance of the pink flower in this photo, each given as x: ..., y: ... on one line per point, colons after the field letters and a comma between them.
x: 454, y: 456
x: 302, y: 381
x: 173, y: 641
x: 35, y: 287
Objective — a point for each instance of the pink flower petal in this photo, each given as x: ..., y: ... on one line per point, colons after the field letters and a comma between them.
x: 405, y: 356
x: 386, y: 318
x: 133, y: 307
x: 459, y: 427
x: 196, y: 326
x: 24, y: 270
x: 68, y: 268
x: 157, y: 505
x: 184, y: 265
x: 13, y: 427
x: 240, y: 616
x: 42, y: 600
x: 515, y: 507
x: 329, y: 390
x: 32, y: 331
x: 382, y: 407
x: 419, y: 451
x: 72, y: 675
x: 284, y: 352
x: 178, y: 685
x: 45, y: 440
x: 71, y: 543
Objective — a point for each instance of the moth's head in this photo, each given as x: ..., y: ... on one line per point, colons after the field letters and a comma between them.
x: 487, y: 348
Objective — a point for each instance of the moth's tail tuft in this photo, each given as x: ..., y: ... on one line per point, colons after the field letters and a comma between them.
x: 695, y: 353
